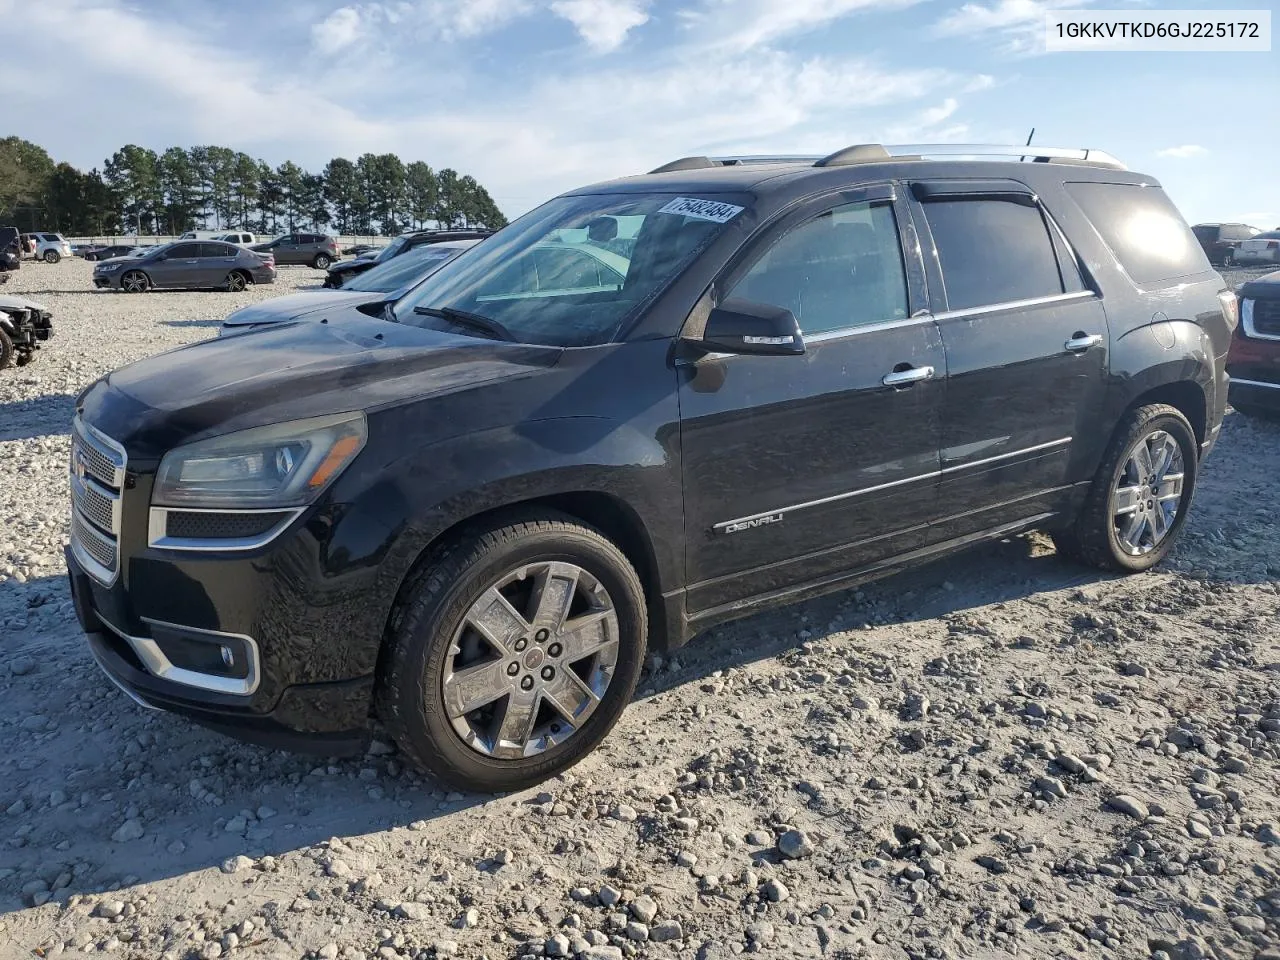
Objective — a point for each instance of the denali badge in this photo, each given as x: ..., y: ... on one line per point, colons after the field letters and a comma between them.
x: 749, y: 524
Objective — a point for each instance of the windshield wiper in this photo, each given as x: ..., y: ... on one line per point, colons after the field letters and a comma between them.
x: 464, y: 318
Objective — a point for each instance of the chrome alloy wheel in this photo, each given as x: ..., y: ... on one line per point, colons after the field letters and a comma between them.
x: 531, y: 661
x: 1148, y: 493
x: 134, y: 282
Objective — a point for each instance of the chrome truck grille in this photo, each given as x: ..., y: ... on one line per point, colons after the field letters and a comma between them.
x: 97, y: 477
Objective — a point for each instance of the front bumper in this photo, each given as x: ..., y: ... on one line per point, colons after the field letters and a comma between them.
x: 103, y: 282
x: 256, y: 705
x: 1260, y: 395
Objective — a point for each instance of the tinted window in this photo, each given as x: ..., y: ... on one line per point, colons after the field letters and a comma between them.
x: 992, y: 251
x: 218, y: 250
x: 52, y: 237
x: 840, y: 269
x: 494, y: 279
x: 1142, y: 228
x: 183, y: 250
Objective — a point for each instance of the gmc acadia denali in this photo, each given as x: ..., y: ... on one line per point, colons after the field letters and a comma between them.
x: 646, y: 407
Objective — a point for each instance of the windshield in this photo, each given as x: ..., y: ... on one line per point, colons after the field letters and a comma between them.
x: 573, y: 271
x: 391, y: 249
x: 403, y: 270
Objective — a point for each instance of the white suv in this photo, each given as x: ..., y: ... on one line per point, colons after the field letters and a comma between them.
x: 50, y: 247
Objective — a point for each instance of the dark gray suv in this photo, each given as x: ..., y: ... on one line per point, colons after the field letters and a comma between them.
x: 312, y: 249
x: 189, y: 264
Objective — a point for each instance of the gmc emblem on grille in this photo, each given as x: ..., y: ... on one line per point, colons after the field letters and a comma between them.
x: 77, y: 465
x: 751, y: 524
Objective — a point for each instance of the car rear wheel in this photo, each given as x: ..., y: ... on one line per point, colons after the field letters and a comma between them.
x: 322, y: 261
x: 6, y: 350
x: 1140, y: 496
x: 135, y: 281
x: 513, y: 651
x: 236, y: 281
x: 52, y: 256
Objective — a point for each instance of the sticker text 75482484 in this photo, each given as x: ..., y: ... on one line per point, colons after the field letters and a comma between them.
x: 712, y: 210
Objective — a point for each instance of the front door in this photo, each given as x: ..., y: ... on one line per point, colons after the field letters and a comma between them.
x: 1026, y: 343
x: 798, y: 469
x: 180, y: 266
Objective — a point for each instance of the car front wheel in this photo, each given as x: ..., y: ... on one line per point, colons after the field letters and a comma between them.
x: 135, y: 281
x: 1140, y: 496
x: 514, y: 651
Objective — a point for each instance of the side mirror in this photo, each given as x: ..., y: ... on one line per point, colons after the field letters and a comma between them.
x: 744, y: 326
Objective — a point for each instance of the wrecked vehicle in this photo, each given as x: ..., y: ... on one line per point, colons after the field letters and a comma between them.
x: 24, y: 325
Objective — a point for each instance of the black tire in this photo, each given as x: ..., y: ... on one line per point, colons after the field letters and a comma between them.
x: 322, y: 261
x: 1093, y: 538
x: 127, y: 282
x: 237, y: 280
x: 6, y: 350
x: 52, y: 256
x: 433, y: 603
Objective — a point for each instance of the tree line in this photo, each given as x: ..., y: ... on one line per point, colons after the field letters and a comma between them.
x: 141, y: 191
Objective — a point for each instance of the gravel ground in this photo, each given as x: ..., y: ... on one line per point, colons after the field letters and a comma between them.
x: 999, y: 754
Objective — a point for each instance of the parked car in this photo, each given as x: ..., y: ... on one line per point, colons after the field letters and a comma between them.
x: 1261, y: 248
x: 49, y: 247
x: 107, y: 253
x: 360, y: 249
x: 1254, y: 361
x: 240, y: 238
x: 340, y: 273
x: 313, y: 249
x: 24, y: 326
x: 204, y: 234
x: 370, y: 291
x: 10, y: 252
x: 207, y: 264
x: 1220, y: 240
x: 471, y: 517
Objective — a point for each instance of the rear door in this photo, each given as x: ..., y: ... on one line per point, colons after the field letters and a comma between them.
x: 799, y: 469
x: 1026, y: 343
x: 286, y: 250
x: 216, y: 261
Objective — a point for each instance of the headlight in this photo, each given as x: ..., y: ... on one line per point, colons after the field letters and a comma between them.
x: 108, y: 266
x: 281, y: 465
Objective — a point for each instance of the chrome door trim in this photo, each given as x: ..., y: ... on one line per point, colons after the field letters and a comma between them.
x: 1256, y: 383
x: 780, y: 512
x: 1016, y: 305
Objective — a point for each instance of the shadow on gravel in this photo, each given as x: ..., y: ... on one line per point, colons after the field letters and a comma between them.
x: 49, y: 415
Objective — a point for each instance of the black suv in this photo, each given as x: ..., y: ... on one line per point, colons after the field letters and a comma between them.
x: 340, y: 273
x: 471, y: 515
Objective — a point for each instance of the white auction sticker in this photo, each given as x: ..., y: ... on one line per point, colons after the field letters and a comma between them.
x: 712, y: 210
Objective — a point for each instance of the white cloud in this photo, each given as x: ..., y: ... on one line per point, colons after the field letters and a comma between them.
x: 472, y: 18
x: 1183, y: 152
x: 745, y: 24
x: 339, y: 30
x: 1019, y: 23
x: 603, y: 24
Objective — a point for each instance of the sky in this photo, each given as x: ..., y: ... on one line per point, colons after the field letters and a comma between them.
x: 535, y: 97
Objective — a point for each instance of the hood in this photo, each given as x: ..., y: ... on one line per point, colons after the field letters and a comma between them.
x: 298, y: 305
x: 1266, y: 287
x: 21, y: 303
x: 294, y: 370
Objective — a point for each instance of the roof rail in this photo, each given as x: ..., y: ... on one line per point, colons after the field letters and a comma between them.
x: 704, y: 163
x: 879, y: 153
x: 871, y: 152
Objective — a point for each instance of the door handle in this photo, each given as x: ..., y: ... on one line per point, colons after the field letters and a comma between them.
x: 1081, y: 342
x: 904, y: 378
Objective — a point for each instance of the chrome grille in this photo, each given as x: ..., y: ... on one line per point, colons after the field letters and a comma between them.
x: 97, y: 476
x: 1266, y: 317
x: 100, y: 547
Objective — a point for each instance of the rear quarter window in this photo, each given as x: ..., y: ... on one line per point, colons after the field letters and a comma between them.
x: 1143, y: 229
